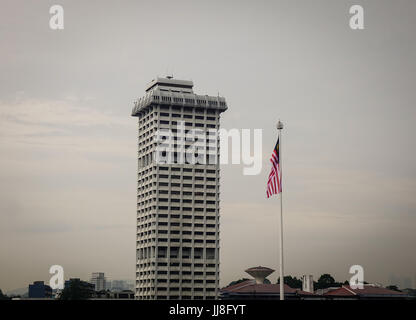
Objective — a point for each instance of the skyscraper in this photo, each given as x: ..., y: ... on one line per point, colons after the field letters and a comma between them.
x: 177, y: 245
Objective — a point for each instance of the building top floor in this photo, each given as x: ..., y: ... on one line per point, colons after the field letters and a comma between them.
x: 168, y: 91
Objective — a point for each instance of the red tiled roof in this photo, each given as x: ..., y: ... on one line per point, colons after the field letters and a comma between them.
x: 339, y: 292
x: 250, y: 286
x: 367, y: 290
x: 234, y: 286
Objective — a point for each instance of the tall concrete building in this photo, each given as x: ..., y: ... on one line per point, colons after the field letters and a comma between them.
x: 99, y: 281
x: 177, y: 245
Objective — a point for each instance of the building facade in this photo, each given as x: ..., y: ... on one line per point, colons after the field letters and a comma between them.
x: 177, y: 245
x: 39, y: 290
x: 99, y: 281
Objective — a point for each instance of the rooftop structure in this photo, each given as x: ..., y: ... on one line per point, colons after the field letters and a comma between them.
x: 259, y: 273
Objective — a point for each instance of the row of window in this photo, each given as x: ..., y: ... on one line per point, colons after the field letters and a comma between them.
x: 186, y: 251
x: 188, y: 193
x: 177, y: 202
x: 147, y: 206
x: 197, y: 215
x: 147, y: 116
x: 176, y: 264
x: 148, y: 215
x: 190, y: 170
x: 186, y: 185
x: 186, y: 225
x: 177, y: 232
x: 161, y: 297
x: 151, y: 119
x: 188, y: 109
x: 187, y: 116
x: 148, y: 186
x: 153, y: 110
x: 177, y: 185
x: 164, y: 272
x: 177, y: 241
x: 180, y: 205
x: 188, y: 113
x: 151, y: 123
x: 188, y: 100
x: 144, y: 134
x: 176, y: 193
x: 176, y: 143
x: 187, y: 273
x: 195, y: 201
x: 174, y: 281
x: 178, y: 177
x: 187, y: 124
x: 201, y: 157
x: 172, y: 208
x: 186, y: 289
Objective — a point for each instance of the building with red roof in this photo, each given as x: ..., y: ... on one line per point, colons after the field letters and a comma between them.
x: 251, y: 290
x: 369, y: 292
x: 260, y: 288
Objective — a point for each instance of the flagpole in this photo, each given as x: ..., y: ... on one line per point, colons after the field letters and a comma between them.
x: 282, y: 294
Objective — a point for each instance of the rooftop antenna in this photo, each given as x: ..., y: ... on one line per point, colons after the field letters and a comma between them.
x: 168, y: 75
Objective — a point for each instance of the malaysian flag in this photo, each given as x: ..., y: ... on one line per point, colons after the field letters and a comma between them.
x: 274, y: 184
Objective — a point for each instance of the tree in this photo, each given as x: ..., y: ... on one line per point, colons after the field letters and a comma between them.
x: 326, y: 281
x: 77, y: 290
x: 292, y: 282
x: 392, y: 287
x: 2, y: 296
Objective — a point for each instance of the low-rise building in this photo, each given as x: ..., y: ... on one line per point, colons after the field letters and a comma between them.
x: 368, y: 292
x: 260, y: 288
x: 108, y: 295
x: 251, y: 290
x: 39, y: 290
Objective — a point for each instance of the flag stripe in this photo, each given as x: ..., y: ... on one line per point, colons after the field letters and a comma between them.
x: 274, y: 182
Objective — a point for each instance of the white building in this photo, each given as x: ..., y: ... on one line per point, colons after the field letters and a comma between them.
x: 307, y: 283
x: 99, y: 281
x: 177, y: 204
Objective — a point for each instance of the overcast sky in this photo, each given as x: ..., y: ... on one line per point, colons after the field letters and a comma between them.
x: 347, y: 98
